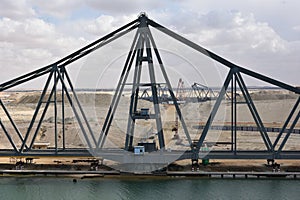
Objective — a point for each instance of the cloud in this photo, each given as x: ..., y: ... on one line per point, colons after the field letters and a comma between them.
x: 31, y: 43
x: 28, y: 31
x: 66, y: 9
x: 238, y: 32
x: 237, y: 36
x: 16, y: 9
x: 222, y: 28
x: 279, y: 14
x: 247, y: 32
x: 117, y: 7
x: 104, y: 24
x: 57, y: 8
x: 297, y: 28
x: 241, y: 38
x: 34, y: 33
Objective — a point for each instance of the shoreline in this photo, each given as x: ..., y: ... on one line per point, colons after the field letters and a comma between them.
x: 77, y: 167
x: 167, y: 174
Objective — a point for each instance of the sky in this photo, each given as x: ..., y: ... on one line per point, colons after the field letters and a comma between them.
x: 260, y: 35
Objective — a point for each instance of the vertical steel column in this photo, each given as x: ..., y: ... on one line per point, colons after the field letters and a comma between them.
x: 232, y: 115
x: 62, y: 71
x: 235, y: 115
x: 55, y: 109
x: 134, y: 94
x: 154, y: 94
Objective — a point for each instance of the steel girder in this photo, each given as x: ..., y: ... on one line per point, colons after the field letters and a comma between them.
x: 58, y: 74
x: 143, y: 42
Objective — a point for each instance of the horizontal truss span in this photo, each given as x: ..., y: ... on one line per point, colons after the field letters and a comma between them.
x: 143, y: 53
x: 248, y: 128
x: 110, y: 154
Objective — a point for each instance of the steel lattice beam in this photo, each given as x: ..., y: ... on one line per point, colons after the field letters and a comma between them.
x: 143, y: 42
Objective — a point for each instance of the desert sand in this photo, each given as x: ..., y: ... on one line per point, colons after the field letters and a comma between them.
x: 272, y: 105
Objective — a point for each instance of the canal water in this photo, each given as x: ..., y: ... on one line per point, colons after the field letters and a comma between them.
x: 148, y: 188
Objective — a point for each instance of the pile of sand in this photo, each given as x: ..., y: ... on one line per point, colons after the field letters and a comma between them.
x: 272, y: 105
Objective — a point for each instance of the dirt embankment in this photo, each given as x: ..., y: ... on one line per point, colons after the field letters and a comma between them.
x: 84, y: 98
x: 272, y: 105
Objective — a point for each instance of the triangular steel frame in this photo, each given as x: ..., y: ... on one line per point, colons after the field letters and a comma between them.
x: 143, y: 43
x: 68, y: 95
x: 57, y: 72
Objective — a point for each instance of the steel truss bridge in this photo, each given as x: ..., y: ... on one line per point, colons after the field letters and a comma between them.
x: 142, y: 54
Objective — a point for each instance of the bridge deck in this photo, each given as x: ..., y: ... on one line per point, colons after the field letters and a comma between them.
x: 119, y: 154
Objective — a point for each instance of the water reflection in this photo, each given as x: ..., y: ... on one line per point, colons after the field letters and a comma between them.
x: 157, y: 189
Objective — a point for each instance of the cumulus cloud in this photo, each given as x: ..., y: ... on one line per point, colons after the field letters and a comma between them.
x: 57, y: 8
x: 280, y: 14
x: 104, y: 24
x: 127, y: 7
x: 244, y: 35
x: 222, y: 28
x: 241, y: 38
x: 35, y: 33
x: 64, y: 9
x: 245, y: 31
x: 25, y: 32
x: 31, y: 43
x: 16, y: 9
